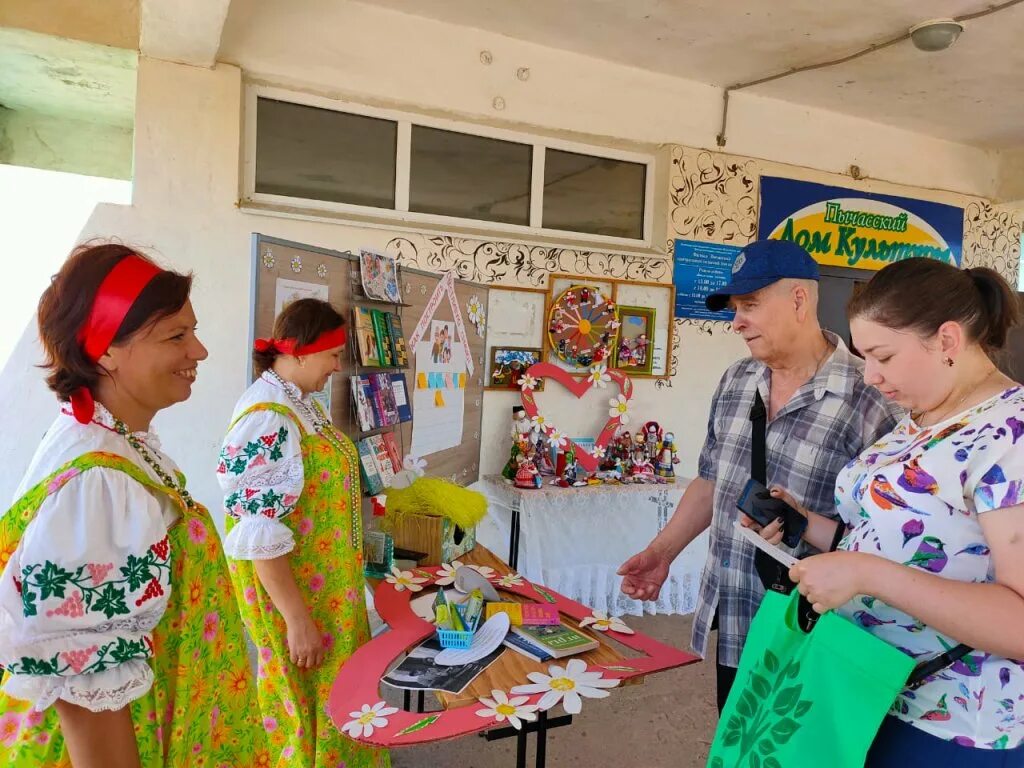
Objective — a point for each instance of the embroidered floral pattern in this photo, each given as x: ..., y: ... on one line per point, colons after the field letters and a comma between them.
x: 329, y: 573
x: 218, y: 726
x: 235, y: 459
x: 43, y: 581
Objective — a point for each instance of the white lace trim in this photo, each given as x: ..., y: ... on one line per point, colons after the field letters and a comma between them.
x: 258, y: 538
x: 285, y: 472
x: 109, y: 690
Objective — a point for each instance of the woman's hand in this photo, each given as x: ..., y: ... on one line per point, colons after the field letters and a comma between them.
x: 305, y: 643
x: 772, y: 533
x: 833, y: 579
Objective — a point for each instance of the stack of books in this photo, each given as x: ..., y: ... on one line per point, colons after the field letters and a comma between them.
x: 379, y: 338
x: 380, y: 399
x: 544, y: 642
x: 524, y: 613
x: 379, y: 461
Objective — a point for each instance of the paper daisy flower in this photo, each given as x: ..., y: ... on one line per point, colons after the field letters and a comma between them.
x: 569, y: 686
x: 528, y: 382
x: 539, y: 422
x: 619, y: 408
x: 446, y: 575
x: 484, y: 570
x: 475, y: 310
x: 405, y: 580
x: 599, y: 376
x: 511, y: 580
x: 556, y: 438
x: 598, y: 451
x: 502, y: 708
x: 600, y: 621
x: 367, y: 719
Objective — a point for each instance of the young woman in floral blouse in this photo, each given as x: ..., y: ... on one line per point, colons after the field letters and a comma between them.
x: 933, y: 554
x: 292, y: 499
x: 118, y: 629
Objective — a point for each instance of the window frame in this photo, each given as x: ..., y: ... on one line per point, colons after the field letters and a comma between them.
x: 400, y: 214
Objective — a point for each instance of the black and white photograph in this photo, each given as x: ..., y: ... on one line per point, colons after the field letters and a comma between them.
x: 419, y: 672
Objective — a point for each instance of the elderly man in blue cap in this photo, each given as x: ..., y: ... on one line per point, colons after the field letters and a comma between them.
x: 805, y: 389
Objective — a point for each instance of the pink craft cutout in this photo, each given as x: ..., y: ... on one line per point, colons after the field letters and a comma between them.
x: 358, y: 682
x: 578, y: 387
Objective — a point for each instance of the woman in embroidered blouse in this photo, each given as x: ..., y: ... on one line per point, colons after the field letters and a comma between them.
x: 292, y: 499
x: 118, y: 629
x: 933, y: 514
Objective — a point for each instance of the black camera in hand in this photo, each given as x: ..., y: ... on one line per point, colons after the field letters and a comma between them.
x: 757, y: 503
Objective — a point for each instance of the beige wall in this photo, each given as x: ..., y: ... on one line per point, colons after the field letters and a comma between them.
x: 107, y: 22
x: 346, y: 49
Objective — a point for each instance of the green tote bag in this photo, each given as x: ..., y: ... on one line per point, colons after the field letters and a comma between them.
x: 806, y: 697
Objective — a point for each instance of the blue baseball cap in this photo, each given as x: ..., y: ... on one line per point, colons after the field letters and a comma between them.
x: 760, y: 264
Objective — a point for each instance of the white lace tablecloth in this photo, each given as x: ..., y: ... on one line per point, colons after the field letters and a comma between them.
x: 574, y: 540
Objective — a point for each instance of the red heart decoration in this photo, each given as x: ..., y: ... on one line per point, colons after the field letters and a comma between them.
x: 578, y: 387
x: 358, y: 682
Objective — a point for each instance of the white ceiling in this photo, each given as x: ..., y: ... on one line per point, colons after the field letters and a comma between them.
x: 972, y: 93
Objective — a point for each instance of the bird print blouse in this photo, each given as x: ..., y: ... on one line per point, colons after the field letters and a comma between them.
x: 916, y: 497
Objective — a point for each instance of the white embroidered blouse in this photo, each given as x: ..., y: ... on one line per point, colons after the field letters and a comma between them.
x: 260, y: 470
x: 90, y: 577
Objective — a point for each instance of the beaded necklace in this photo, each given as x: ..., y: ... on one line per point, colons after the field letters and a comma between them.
x: 325, y: 429
x: 140, y: 448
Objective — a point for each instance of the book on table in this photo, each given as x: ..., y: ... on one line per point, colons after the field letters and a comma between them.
x: 559, y: 640
x: 526, y: 648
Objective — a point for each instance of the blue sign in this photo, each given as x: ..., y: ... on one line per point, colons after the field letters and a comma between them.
x: 850, y: 228
x: 699, y: 270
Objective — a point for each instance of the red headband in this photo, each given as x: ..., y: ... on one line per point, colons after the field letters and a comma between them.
x: 326, y: 340
x: 115, y: 297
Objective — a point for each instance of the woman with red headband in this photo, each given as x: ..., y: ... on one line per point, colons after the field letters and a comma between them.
x: 121, y: 641
x: 292, y: 499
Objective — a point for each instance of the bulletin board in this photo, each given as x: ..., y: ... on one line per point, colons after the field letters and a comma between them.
x: 281, y: 267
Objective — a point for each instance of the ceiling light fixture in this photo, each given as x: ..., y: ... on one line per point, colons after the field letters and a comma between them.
x: 936, y: 34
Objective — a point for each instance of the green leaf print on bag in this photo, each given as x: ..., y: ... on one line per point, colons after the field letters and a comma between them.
x: 768, y: 714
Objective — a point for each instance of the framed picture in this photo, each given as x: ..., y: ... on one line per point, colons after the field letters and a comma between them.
x: 634, y: 349
x: 508, y: 364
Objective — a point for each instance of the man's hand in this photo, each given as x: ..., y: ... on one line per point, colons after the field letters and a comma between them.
x: 644, y: 574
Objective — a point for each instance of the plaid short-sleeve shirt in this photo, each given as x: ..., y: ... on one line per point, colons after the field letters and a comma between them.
x: 826, y: 424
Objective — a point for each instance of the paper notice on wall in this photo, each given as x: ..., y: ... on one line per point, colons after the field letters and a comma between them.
x: 660, y: 347
x: 439, y: 395
x: 287, y: 291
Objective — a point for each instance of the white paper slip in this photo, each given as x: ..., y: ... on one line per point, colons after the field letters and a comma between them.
x: 776, y: 552
x: 486, y: 639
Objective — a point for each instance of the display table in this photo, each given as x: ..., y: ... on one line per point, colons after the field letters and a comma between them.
x: 357, y: 686
x: 574, y: 539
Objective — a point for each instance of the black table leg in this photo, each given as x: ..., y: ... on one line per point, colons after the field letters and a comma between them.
x: 541, y: 727
x: 542, y: 739
x: 419, y: 702
x: 513, y: 540
x: 521, y: 749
